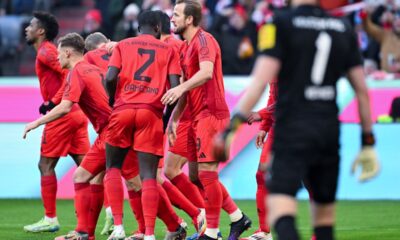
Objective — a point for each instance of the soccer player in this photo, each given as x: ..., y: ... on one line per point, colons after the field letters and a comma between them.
x: 307, y: 52
x: 203, y: 82
x: 141, y: 67
x: 67, y: 135
x: 182, y: 193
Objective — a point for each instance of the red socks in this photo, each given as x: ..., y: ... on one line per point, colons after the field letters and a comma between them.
x: 189, y: 190
x: 179, y: 200
x: 115, y: 193
x: 166, y: 212
x: 150, y: 197
x: 261, y: 195
x: 135, y: 200
x: 96, y: 204
x: 49, y: 192
x: 82, y: 206
x: 227, y: 203
x: 213, y: 201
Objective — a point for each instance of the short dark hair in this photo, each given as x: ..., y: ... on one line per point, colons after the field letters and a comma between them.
x: 49, y: 23
x: 94, y: 39
x: 73, y: 40
x: 165, y: 23
x: 149, y: 18
x: 192, y: 8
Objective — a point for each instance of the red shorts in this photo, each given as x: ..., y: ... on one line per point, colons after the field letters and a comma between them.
x: 67, y: 135
x: 205, y: 130
x: 140, y: 129
x: 185, y: 144
x: 95, y: 160
x: 266, y: 150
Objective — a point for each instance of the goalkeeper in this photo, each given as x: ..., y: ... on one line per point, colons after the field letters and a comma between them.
x: 307, y: 50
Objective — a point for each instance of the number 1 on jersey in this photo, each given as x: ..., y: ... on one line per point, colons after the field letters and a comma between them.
x: 323, y: 44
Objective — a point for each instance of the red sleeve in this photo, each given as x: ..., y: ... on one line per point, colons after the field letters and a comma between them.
x: 115, y: 60
x: 207, y: 50
x: 49, y: 58
x: 267, y: 114
x: 73, y: 88
x: 174, y: 66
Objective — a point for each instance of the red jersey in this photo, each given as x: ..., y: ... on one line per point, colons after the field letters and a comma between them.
x: 267, y: 114
x: 98, y: 57
x: 51, y: 75
x: 209, y: 98
x: 145, y: 63
x: 84, y: 86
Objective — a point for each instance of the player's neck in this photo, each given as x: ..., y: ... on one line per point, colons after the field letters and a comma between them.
x: 39, y: 42
x: 164, y: 36
x: 75, y: 60
x: 190, y: 33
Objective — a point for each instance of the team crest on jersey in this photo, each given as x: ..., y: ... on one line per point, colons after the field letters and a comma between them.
x: 266, y: 37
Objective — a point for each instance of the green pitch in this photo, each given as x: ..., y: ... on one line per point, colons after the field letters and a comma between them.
x: 355, y: 219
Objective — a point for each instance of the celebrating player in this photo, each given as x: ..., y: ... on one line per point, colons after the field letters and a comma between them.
x: 67, y: 135
x: 203, y: 82
x: 140, y: 67
x: 307, y: 51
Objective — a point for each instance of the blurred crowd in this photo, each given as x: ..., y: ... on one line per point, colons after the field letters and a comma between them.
x: 234, y: 23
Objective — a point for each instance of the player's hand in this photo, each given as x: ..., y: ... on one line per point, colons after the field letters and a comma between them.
x: 254, y: 117
x: 368, y: 162
x: 30, y: 126
x: 45, y: 107
x: 171, y: 132
x: 172, y: 95
x: 110, y: 46
x: 260, y: 138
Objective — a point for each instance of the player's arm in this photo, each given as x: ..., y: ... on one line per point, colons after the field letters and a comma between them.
x: 201, y: 77
x: 367, y: 158
x: 174, y: 81
x: 111, y: 82
x: 57, y: 112
x: 371, y: 28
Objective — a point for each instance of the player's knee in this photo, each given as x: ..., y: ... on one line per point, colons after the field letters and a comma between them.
x: 170, y: 172
x: 81, y: 176
x: 45, y: 168
x: 133, y: 184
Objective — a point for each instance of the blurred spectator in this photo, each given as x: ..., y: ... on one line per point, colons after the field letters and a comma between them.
x: 162, y: 5
x: 22, y: 6
x: 388, y: 36
x: 5, y: 7
x: 238, y: 40
x: 92, y: 23
x: 127, y: 27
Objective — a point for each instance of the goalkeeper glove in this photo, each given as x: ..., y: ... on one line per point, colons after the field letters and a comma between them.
x: 366, y: 159
x: 45, y: 107
x: 222, y: 142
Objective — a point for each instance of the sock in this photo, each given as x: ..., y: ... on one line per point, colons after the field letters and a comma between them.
x: 212, y: 232
x: 49, y: 192
x: 135, y: 200
x: 189, y: 190
x: 229, y: 205
x: 166, y: 212
x: 96, y: 204
x: 213, y: 200
x: 115, y: 193
x: 200, y: 187
x: 324, y: 232
x: 150, y: 198
x: 286, y: 229
x: 261, y: 195
x: 179, y: 200
x: 82, y: 206
x: 105, y: 202
x: 51, y: 220
x: 108, y: 210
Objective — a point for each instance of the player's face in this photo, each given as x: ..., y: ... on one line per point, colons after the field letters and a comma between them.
x: 179, y: 18
x: 33, y: 31
x: 63, y: 56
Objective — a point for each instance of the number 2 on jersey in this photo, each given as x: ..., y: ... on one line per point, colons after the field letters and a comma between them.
x: 138, y: 74
x: 323, y: 44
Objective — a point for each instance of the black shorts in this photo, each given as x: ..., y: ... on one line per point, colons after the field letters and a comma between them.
x: 305, y: 151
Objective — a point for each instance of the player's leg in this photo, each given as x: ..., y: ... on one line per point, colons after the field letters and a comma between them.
x: 96, y: 201
x: 148, y: 164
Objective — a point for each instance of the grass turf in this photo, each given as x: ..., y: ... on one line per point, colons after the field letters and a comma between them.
x: 355, y: 219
